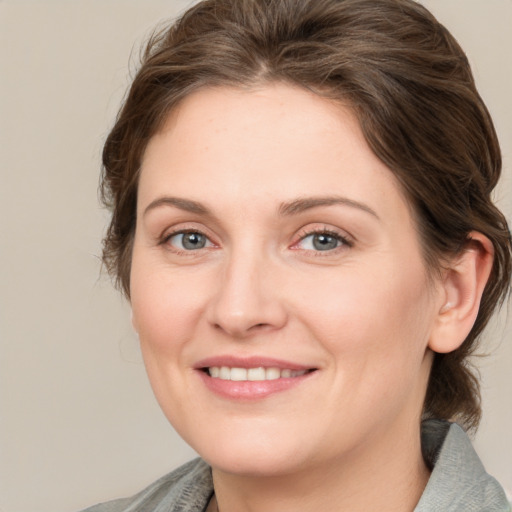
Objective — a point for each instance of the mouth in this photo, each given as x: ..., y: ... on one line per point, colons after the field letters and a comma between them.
x: 259, y: 373
x: 251, y: 378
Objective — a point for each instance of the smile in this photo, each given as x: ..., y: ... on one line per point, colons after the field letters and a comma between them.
x: 252, y: 378
x: 252, y: 374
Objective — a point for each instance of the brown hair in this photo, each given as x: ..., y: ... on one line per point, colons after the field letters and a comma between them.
x: 411, y: 87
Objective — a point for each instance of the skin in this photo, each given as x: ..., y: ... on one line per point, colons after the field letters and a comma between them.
x: 362, y: 314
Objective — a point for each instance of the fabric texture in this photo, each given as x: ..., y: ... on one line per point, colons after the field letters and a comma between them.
x: 458, y: 483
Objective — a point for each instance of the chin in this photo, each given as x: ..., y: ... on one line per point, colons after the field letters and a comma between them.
x: 252, y: 455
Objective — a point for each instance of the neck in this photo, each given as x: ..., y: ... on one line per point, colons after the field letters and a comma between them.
x: 387, y: 477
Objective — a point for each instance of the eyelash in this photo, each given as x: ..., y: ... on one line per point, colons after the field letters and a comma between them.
x: 345, y: 241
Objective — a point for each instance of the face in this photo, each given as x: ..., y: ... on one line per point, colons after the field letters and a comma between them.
x: 277, y: 284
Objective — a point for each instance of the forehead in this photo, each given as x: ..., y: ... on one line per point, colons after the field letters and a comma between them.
x: 275, y: 142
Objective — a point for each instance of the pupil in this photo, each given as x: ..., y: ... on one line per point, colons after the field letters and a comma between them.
x: 324, y: 242
x: 193, y: 241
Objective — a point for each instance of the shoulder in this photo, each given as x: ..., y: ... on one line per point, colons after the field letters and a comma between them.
x: 459, y: 482
x: 186, y: 489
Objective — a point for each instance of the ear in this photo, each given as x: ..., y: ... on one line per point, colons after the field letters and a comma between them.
x: 461, y: 291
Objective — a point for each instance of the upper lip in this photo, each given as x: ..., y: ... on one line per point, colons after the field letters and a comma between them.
x: 249, y: 362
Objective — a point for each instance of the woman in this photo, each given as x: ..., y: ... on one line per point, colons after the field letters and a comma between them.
x: 302, y: 223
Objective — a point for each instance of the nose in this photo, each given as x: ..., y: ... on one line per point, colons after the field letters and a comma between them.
x: 247, y: 299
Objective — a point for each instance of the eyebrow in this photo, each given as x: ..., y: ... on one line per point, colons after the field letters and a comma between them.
x: 183, y: 204
x: 285, y: 209
x: 306, y: 203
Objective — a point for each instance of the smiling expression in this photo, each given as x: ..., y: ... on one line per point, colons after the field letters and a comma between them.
x: 277, y: 284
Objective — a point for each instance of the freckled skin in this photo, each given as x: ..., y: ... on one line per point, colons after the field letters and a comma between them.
x: 360, y: 314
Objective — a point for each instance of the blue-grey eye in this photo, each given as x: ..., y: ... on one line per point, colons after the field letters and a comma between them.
x: 189, y: 241
x: 320, y: 242
x: 323, y: 242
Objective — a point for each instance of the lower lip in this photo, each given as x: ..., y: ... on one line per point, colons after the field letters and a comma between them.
x: 251, y: 390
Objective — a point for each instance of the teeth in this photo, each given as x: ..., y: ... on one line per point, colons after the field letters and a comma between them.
x: 225, y: 373
x: 238, y: 374
x: 272, y: 373
x: 256, y: 374
x: 252, y: 374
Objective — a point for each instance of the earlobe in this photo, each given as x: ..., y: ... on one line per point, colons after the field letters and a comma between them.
x: 462, y: 288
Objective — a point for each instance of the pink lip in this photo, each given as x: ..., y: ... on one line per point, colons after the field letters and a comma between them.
x: 250, y: 390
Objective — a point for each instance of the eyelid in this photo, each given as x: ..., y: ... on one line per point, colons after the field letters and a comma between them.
x: 184, y: 227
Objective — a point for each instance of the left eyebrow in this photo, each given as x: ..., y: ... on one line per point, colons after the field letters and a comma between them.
x: 306, y: 203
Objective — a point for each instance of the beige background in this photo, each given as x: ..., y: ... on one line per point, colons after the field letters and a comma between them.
x: 78, y: 423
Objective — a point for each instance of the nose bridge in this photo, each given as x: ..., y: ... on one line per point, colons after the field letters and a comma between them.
x: 246, y: 300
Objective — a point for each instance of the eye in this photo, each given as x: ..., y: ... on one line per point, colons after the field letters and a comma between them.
x: 322, y: 241
x: 189, y: 241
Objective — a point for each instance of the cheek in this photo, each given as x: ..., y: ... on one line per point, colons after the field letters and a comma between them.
x: 375, y: 330
x: 165, y: 306
x: 375, y: 311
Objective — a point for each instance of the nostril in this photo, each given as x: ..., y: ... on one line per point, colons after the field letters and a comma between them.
x: 259, y: 327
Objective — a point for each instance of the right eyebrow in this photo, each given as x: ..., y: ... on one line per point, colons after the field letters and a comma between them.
x: 183, y: 204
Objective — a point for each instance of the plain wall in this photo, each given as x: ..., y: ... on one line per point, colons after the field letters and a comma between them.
x: 78, y: 422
